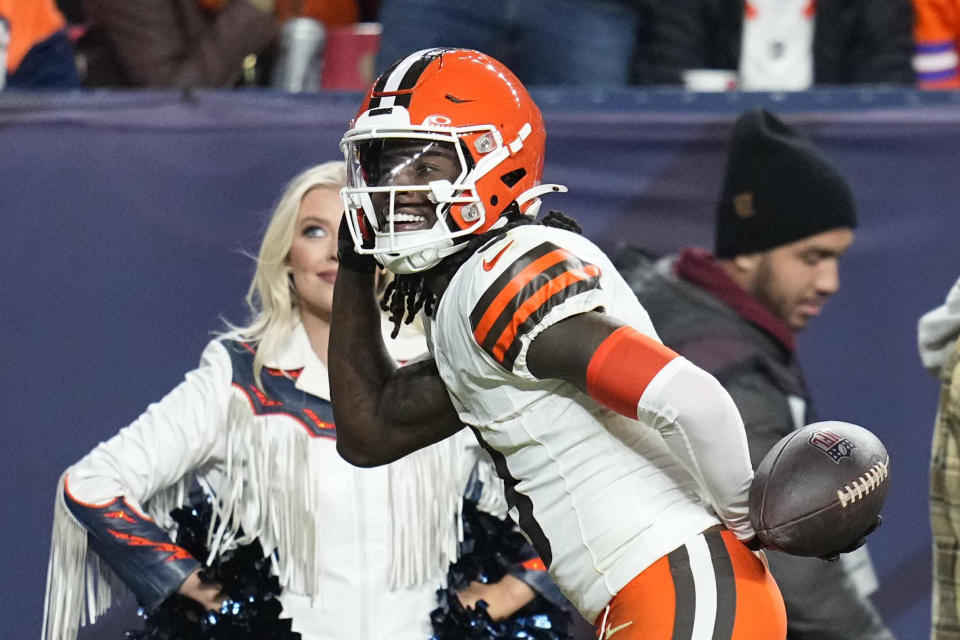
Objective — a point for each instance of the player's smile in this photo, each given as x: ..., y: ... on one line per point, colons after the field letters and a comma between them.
x: 408, y: 216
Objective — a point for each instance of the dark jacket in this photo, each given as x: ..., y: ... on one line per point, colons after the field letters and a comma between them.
x: 854, y: 41
x: 757, y: 367
x: 171, y: 43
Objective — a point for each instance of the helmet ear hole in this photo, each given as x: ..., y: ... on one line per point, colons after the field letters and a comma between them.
x: 494, y: 200
x: 513, y: 177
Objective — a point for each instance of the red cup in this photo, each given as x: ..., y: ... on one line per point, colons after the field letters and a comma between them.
x: 350, y: 56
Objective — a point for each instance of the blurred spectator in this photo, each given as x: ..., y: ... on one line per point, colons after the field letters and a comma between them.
x: 777, y: 44
x: 173, y: 43
x: 369, y: 10
x: 545, y: 42
x: 72, y: 10
x: 938, y: 332
x: 192, y: 43
x: 937, y: 33
x: 34, y: 45
x: 784, y: 219
x: 330, y: 12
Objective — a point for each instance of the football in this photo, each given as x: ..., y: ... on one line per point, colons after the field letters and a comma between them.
x: 819, y: 489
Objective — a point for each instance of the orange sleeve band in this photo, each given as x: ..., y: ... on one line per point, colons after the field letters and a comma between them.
x: 534, y: 564
x: 622, y: 367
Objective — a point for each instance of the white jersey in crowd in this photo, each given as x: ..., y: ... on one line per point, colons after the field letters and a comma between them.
x: 776, y: 48
x: 600, y: 496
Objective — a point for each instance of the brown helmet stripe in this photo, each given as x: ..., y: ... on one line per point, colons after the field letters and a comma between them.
x: 403, y: 75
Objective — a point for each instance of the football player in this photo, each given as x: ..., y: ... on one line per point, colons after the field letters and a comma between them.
x: 625, y: 465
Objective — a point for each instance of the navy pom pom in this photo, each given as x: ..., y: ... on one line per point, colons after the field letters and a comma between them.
x: 490, y: 549
x: 252, y: 611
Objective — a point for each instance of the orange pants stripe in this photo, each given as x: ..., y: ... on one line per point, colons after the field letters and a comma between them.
x: 711, y: 588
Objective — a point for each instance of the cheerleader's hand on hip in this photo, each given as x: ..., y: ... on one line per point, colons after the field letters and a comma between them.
x: 208, y: 594
x: 503, y: 598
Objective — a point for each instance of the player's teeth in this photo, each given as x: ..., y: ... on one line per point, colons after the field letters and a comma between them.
x: 406, y: 217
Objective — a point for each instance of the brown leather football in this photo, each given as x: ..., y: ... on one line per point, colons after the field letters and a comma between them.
x: 819, y: 489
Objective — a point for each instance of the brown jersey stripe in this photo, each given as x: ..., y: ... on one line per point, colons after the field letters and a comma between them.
x: 538, y: 305
x: 491, y: 332
x: 685, y: 604
x: 519, y: 296
x: 723, y: 571
x: 499, y: 294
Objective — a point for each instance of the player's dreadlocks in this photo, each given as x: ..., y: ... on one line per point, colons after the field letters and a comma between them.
x: 407, y: 294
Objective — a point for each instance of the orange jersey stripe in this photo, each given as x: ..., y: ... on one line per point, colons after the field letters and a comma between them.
x: 535, y: 301
x: 513, y: 287
x: 622, y: 367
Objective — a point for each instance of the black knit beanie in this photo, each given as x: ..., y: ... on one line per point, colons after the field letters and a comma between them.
x: 778, y: 189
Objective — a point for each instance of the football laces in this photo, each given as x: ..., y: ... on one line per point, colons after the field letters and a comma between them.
x: 862, y: 486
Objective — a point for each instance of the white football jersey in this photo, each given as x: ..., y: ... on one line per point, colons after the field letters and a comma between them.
x: 600, y: 496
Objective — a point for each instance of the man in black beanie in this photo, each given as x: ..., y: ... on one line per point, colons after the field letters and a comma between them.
x: 784, y: 219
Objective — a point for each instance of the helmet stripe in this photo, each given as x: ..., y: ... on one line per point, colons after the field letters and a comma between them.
x: 381, y: 82
x: 403, y: 75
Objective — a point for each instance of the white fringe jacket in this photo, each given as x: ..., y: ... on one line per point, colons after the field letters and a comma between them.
x: 360, y: 552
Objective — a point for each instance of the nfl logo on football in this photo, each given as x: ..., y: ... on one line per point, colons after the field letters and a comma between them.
x: 832, y: 444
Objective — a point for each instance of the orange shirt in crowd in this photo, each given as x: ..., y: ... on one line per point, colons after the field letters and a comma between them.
x: 937, y: 35
x: 29, y: 22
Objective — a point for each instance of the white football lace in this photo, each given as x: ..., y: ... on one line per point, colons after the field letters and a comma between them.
x: 859, y: 488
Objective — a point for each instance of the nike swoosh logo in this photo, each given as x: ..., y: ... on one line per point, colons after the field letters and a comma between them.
x: 488, y: 264
x: 613, y: 630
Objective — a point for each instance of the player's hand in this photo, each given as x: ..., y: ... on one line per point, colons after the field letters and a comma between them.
x: 859, y: 542
x: 208, y: 594
x: 347, y: 254
x: 503, y: 598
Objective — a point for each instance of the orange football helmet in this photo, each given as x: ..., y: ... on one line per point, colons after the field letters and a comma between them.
x: 445, y: 143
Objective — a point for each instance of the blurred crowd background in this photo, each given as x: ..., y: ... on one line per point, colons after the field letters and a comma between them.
x: 303, y: 45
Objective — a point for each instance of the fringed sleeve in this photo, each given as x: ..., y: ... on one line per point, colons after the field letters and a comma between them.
x: 80, y: 587
x: 98, y: 518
